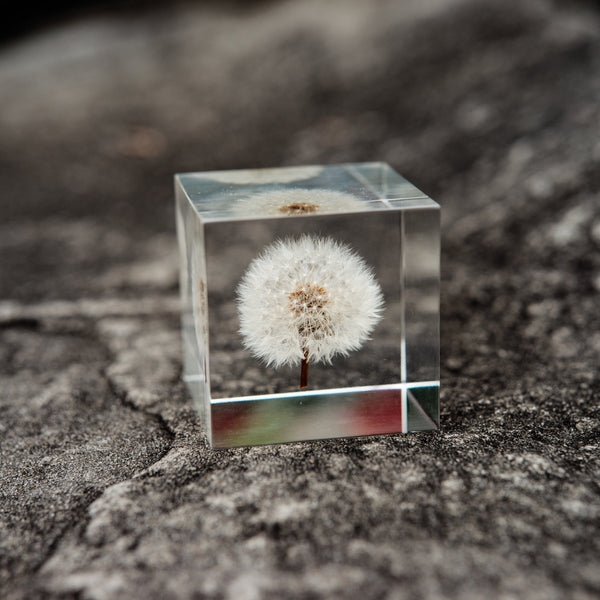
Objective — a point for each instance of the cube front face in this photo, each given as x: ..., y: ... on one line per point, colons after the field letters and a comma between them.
x: 320, y: 277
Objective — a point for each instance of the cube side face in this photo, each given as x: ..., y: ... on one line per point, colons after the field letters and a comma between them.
x: 194, y: 308
x: 387, y: 380
x: 421, y: 285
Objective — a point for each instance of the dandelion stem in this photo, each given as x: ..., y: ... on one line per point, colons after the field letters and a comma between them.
x: 304, y: 371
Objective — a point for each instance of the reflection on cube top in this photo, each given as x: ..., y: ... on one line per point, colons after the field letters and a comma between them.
x: 260, y: 193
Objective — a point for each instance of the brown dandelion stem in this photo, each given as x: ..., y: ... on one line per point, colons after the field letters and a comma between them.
x: 304, y: 371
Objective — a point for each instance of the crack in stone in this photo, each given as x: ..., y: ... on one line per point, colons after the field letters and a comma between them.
x: 160, y: 420
x: 80, y: 511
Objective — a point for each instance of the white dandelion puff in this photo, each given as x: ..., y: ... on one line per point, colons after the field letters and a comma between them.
x: 307, y: 299
x: 264, y: 176
x: 290, y: 202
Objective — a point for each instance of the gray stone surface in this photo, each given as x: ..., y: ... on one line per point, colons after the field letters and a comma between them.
x: 108, y: 489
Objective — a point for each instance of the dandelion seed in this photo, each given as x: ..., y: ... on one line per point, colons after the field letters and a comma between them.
x: 307, y: 299
x: 291, y: 202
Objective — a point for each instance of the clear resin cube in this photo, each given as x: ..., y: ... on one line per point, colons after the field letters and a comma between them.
x: 310, y: 302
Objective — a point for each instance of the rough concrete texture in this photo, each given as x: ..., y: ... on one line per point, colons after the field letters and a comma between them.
x: 108, y: 489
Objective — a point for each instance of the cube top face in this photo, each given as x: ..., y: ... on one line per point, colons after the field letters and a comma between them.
x: 299, y: 191
x: 310, y: 302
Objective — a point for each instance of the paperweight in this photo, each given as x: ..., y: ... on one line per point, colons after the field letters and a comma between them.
x: 310, y: 302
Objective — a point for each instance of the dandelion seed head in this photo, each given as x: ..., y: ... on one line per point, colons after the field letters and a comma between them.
x: 307, y: 305
x: 299, y: 208
x: 309, y: 294
x: 291, y: 202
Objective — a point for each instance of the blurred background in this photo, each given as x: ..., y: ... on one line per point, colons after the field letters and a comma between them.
x: 489, y: 107
x: 101, y: 102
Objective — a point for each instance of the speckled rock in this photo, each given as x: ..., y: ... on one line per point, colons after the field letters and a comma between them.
x: 107, y: 487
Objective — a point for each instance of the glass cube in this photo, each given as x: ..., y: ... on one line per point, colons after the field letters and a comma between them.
x: 310, y: 302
